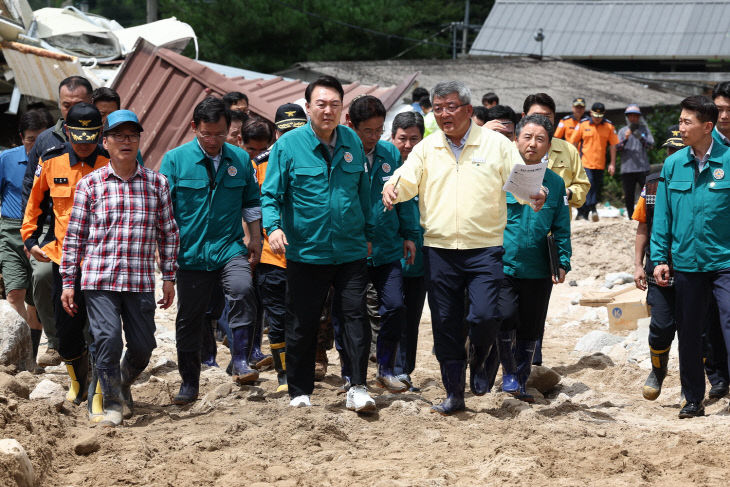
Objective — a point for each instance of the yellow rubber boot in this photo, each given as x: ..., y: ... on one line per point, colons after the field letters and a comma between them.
x: 78, y: 371
x: 278, y: 350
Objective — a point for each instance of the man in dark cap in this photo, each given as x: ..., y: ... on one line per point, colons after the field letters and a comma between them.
x: 568, y: 124
x: 591, y: 138
x: 52, y: 194
x: 121, y: 215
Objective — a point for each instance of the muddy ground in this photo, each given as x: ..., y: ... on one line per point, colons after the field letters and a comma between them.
x: 593, y: 428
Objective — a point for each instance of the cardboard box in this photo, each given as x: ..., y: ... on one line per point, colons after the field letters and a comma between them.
x: 626, y: 310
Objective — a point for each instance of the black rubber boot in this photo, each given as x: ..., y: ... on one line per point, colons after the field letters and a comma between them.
x: 35, y: 339
x: 478, y: 376
x: 131, y: 369
x: 78, y: 371
x: 505, y: 342
x: 385, y: 357
x: 242, y: 372
x: 279, y: 354
x: 653, y: 385
x: 188, y: 363
x: 111, y: 388
x: 524, y: 353
x: 257, y: 359
x: 453, y: 374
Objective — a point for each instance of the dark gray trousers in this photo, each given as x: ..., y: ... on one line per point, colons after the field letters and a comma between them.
x: 194, y: 292
x: 107, y: 311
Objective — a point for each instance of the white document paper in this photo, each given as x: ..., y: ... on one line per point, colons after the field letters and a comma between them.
x: 525, y: 180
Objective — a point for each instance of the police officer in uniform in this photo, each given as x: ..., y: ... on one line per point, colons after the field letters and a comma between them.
x: 51, y: 196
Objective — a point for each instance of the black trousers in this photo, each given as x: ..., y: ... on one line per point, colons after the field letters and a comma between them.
x: 629, y: 181
x: 271, y: 281
x: 451, y: 273
x: 69, y: 329
x: 694, y: 313
x: 195, y: 292
x: 308, y: 285
x: 663, y: 326
x: 523, y: 304
x: 414, y: 296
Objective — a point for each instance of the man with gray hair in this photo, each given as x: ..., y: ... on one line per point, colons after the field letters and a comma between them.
x: 458, y: 174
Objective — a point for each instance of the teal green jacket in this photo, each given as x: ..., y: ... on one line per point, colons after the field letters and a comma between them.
x: 390, y: 227
x: 526, y: 253
x: 717, y: 137
x: 324, y: 214
x: 691, y: 213
x: 208, y: 206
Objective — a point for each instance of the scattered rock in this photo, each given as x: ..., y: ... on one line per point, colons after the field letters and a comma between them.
x: 87, y: 445
x: 15, y: 344
x: 542, y: 378
x: 595, y: 340
x: 11, y: 384
x: 17, y: 463
x: 573, y: 283
x: 47, y: 389
x: 255, y: 394
x: 515, y: 406
x: 278, y: 472
x: 162, y: 365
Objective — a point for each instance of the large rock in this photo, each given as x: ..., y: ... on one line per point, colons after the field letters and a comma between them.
x: 16, y: 347
x: 15, y: 462
x: 544, y: 379
x: 47, y: 389
x: 595, y: 341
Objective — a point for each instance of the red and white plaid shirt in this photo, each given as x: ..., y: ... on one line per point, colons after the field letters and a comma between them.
x: 114, y: 229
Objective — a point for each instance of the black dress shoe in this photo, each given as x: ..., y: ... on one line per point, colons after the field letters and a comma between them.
x: 692, y: 410
x: 719, y: 390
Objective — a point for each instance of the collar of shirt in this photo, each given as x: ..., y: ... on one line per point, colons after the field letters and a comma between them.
x: 109, y: 171
x: 371, y: 157
x: 73, y: 159
x: 462, y: 142
x: 331, y: 144
x: 722, y: 137
x: 701, y: 163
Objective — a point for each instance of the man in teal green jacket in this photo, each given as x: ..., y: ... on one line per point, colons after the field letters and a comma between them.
x: 526, y: 289
x: 212, y: 186
x: 394, y: 235
x: 316, y: 210
x: 406, y: 132
x: 692, y: 229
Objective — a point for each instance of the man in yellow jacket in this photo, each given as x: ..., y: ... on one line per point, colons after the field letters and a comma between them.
x: 458, y: 174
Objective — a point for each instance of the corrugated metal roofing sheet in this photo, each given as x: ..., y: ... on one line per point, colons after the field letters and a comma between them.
x: 38, y: 72
x: 163, y: 88
x: 610, y: 29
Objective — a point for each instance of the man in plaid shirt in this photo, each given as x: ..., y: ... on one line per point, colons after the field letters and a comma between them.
x: 121, y: 214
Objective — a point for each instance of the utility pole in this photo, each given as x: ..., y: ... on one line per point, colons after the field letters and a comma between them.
x: 152, y: 10
x: 466, y: 28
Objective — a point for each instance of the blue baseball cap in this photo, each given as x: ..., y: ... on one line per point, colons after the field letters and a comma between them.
x: 115, y: 119
x: 632, y: 109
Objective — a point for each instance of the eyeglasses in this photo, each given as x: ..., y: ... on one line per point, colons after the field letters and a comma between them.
x: 206, y: 136
x: 370, y: 133
x: 117, y: 137
x: 437, y: 109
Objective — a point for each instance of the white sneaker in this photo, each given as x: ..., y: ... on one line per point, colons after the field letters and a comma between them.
x: 301, y: 402
x: 359, y: 400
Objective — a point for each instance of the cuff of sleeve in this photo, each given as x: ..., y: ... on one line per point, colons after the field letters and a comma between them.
x: 30, y: 243
x: 68, y: 283
x: 271, y: 229
x: 252, y: 214
x: 168, y: 276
